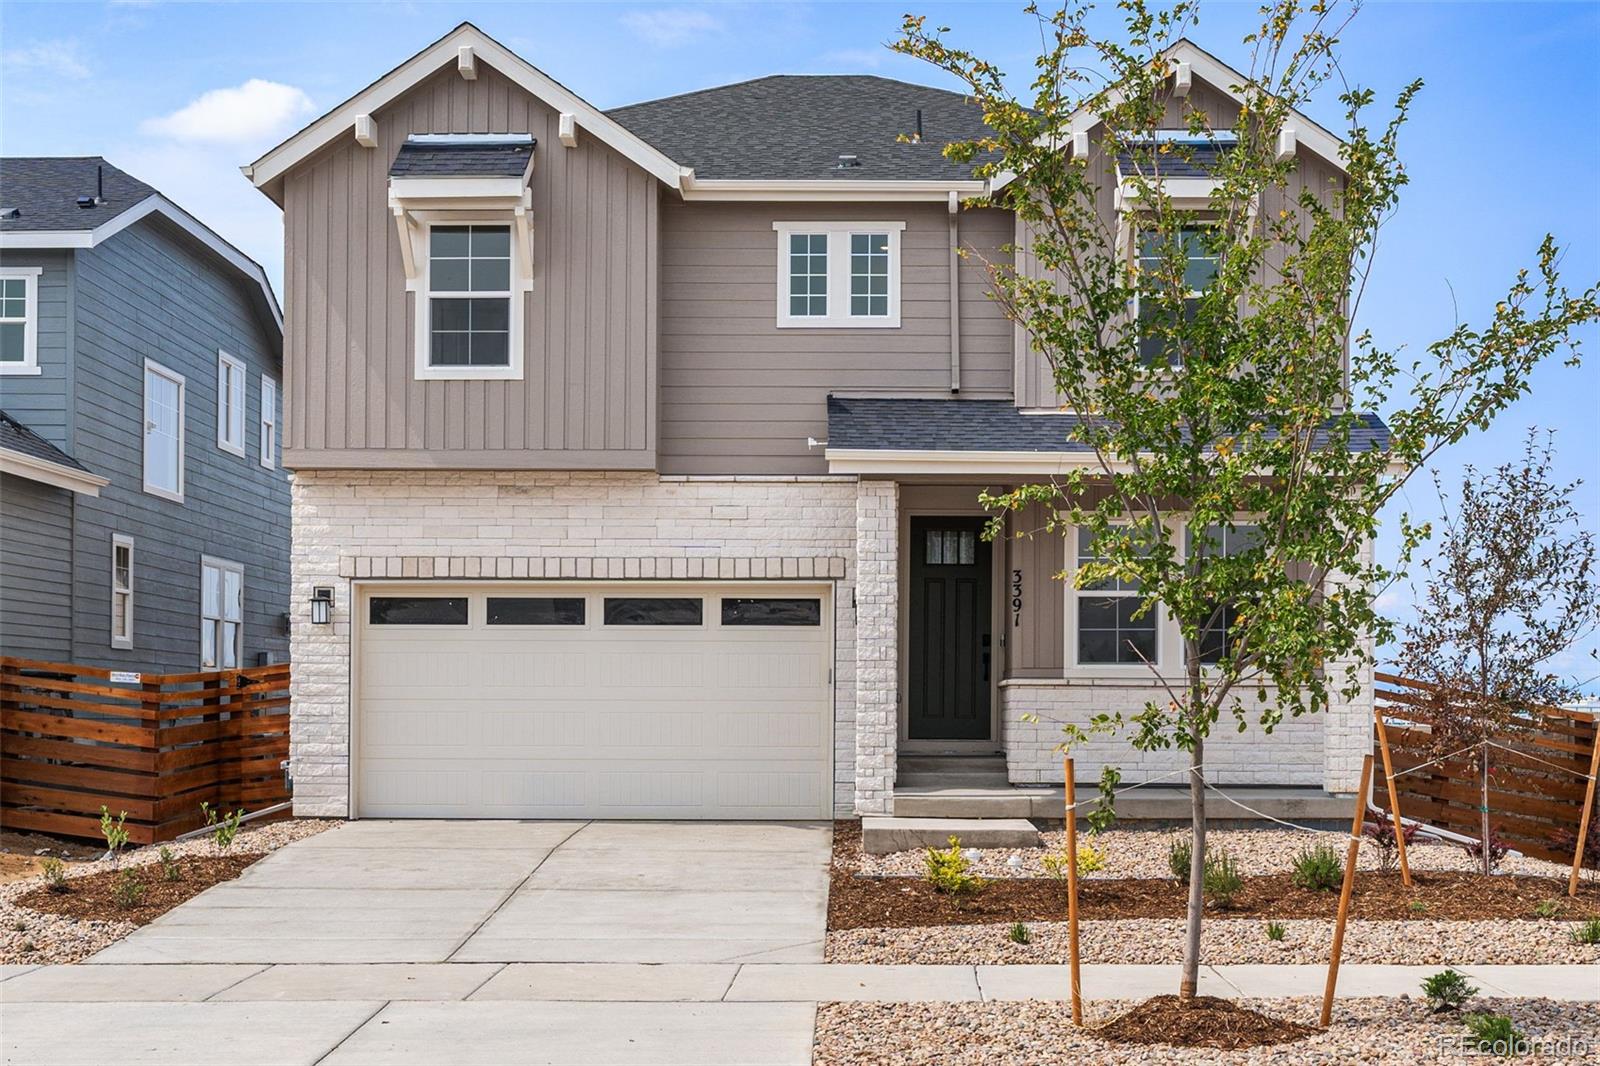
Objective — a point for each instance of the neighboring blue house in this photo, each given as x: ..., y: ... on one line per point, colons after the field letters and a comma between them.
x: 144, y: 509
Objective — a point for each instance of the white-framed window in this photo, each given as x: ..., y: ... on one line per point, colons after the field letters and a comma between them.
x: 470, y: 305
x: 1222, y: 541
x: 1106, y: 629
x: 269, y: 422
x: 163, y: 431
x: 121, y: 591
x: 231, y: 377
x: 19, y: 320
x: 838, y: 274
x: 1199, y: 271
x: 221, y: 613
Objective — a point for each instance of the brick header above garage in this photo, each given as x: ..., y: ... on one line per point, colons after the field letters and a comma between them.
x: 633, y: 568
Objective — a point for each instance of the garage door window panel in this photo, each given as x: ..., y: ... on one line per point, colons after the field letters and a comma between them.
x: 536, y: 611
x: 772, y: 611
x: 654, y: 611
x: 418, y: 611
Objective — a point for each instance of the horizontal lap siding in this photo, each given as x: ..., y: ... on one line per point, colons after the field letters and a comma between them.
x: 587, y: 395
x: 35, y: 569
x: 39, y: 401
x: 740, y: 395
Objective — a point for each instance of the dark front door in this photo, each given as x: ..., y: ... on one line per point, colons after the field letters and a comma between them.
x: 950, y: 635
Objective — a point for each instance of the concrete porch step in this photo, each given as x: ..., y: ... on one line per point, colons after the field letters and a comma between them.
x: 952, y: 771
x: 1157, y: 803
x: 880, y: 836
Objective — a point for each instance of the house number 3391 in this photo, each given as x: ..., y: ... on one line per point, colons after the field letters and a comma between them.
x: 1016, y: 598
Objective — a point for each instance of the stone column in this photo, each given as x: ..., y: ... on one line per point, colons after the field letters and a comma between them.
x: 877, y: 654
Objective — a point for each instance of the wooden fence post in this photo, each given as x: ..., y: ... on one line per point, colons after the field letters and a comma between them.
x: 1072, y: 890
x: 1394, y: 798
x: 1588, y: 813
x: 1352, y: 852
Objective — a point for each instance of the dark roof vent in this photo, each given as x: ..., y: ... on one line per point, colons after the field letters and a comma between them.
x: 9, y: 213
x: 99, y: 196
x: 848, y: 161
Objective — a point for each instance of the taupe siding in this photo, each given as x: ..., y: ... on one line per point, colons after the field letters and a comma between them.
x: 1034, y: 642
x: 740, y: 395
x: 587, y: 395
x: 1035, y: 386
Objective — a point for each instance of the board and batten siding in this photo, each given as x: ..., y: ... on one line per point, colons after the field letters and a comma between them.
x: 151, y: 293
x: 35, y: 569
x: 587, y: 397
x: 740, y: 395
x: 39, y: 401
x: 1035, y: 382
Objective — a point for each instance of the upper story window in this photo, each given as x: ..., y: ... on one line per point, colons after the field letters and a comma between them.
x: 230, y: 403
x: 163, y: 431
x: 19, y: 320
x: 469, y: 296
x: 1200, y: 270
x: 839, y: 274
x: 269, y: 422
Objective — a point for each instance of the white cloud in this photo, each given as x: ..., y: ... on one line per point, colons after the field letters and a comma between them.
x: 251, y: 113
x: 672, y: 26
x: 61, y: 58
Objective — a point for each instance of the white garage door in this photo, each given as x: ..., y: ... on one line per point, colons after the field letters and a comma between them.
x: 541, y: 701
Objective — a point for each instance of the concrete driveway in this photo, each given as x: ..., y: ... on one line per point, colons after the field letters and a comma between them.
x: 436, y: 891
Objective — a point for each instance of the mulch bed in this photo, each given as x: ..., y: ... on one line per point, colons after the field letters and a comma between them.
x: 93, y: 898
x: 1204, y: 1021
x: 856, y: 902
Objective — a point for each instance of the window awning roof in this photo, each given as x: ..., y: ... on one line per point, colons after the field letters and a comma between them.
x: 467, y: 157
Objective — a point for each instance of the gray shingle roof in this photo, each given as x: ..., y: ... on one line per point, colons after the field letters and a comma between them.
x: 981, y: 426
x: 462, y: 159
x: 796, y: 126
x: 44, y: 192
x: 16, y: 437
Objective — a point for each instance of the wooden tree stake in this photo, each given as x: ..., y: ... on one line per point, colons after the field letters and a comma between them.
x: 1351, y: 854
x: 1072, y: 891
x: 1588, y: 812
x: 1394, y: 798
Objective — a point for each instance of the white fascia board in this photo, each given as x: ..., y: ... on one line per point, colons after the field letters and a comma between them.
x: 419, y: 190
x: 893, y: 461
x: 152, y: 205
x: 265, y: 173
x: 44, y: 471
x: 831, y: 191
x: 1223, y: 78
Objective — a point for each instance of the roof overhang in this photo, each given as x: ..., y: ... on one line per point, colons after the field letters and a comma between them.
x: 892, y: 461
x: 693, y: 188
x: 267, y: 172
x: 20, y: 464
x: 470, y: 191
x: 156, y: 204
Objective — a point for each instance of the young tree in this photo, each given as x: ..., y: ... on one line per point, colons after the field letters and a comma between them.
x: 1512, y: 584
x: 1233, y: 482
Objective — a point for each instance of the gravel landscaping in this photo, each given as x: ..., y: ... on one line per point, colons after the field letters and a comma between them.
x: 1368, y: 1031
x: 32, y: 936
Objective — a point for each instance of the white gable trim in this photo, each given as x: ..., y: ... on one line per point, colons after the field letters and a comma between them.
x: 49, y: 473
x: 154, y: 204
x: 267, y: 172
x: 1214, y: 72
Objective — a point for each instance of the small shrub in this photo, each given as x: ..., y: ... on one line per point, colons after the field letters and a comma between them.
x: 1588, y: 932
x: 1497, y: 850
x: 1547, y: 908
x: 171, y: 870
x: 1091, y: 859
x: 1447, y: 990
x: 1180, y: 853
x: 116, y: 836
x: 1495, y: 1034
x: 225, y: 828
x: 54, y: 873
x: 19, y: 926
x: 29, y: 947
x: 947, y: 872
x: 1382, y: 834
x: 1222, y: 880
x: 1276, y: 931
x: 1416, y: 906
x: 1018, y: 934
x: 1318, y: 868
x: 129, y: 890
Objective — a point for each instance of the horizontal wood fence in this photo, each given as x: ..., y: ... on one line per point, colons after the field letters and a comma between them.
x: 73, y: 739
x: 1536, y: 790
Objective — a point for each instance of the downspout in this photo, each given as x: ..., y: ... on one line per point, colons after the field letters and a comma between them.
x: 955, y: 294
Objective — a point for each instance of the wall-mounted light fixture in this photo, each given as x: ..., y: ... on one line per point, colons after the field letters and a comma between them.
x: 321, y: 605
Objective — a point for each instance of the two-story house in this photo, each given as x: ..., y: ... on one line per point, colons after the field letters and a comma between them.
x: 144, y: 507
x: 637, y: 456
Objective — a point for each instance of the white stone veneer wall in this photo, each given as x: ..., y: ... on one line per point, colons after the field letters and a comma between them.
x: 515, y: 524
x: 877, y: 655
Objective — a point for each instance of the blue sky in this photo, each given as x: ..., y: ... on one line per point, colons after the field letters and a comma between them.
x: 1502, y: 147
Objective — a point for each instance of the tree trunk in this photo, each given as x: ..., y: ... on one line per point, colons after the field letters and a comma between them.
x: 1483, y: 807
x: 1197, y: 872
